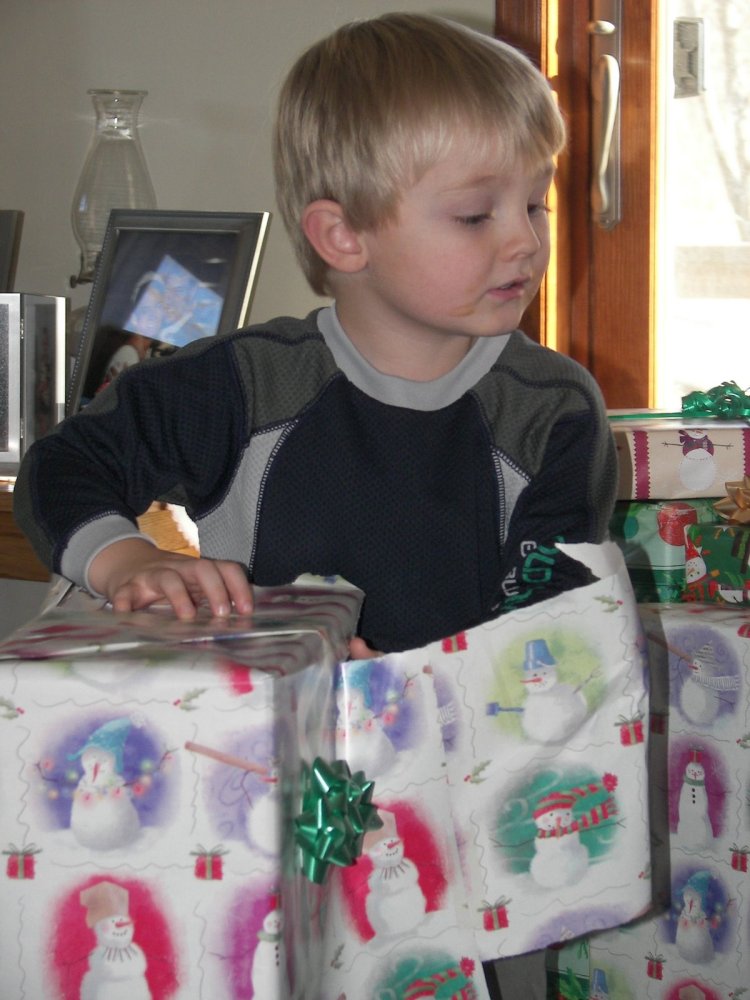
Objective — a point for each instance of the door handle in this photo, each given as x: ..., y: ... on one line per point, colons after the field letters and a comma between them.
x: 605, y: 30
x: 605, y: 86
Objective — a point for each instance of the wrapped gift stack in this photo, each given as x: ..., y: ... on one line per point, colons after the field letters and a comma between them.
x: 682, y: 517
x: 685, y: 509
x: 229, y: 810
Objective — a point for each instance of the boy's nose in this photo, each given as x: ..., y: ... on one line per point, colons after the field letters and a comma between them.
x: 519, y: 238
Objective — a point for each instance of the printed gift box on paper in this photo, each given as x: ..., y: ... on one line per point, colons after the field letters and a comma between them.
x: 150, y: 774
x: 696, y: 943
x: 512, y: 806
x: 651, y: 536
x: 677, y: 458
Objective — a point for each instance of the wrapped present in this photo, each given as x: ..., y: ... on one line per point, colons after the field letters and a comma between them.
x: 654, y: 966
x: 696, y: 941
x: 526, y: 820
x: 651, y: 536
x: 631, y: 730
x: 21, y: 863
x: 495, y: 915
x: 663, y: 459
x: 739, y: 857
x: 158, y: 766
x: 209, y: 864
x: 716, y: 563
x: 271, y: 820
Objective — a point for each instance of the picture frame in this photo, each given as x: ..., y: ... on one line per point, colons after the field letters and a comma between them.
x: 11, y: 225
x: 164, y: 279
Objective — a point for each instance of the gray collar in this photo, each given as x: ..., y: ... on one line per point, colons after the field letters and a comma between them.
x: 396, y: 391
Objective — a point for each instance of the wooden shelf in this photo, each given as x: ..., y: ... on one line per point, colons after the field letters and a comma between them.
x: 17, y: 558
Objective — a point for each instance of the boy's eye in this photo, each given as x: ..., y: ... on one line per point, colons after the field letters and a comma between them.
x: 473, y: 220
x: 538, y: 208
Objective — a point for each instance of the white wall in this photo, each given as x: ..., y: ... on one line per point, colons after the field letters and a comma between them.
x: 212, y: 69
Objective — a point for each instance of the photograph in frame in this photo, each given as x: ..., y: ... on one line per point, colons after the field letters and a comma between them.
x: 162, y: 281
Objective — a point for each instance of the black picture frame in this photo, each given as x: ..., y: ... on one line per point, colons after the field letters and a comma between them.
x: 164, y: 279
x: 11, y: 226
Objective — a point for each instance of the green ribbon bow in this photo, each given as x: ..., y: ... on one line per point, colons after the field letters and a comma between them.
x: 725, y: 402
x: 336, y: 813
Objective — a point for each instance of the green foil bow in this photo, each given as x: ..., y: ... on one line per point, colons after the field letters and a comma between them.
x: 726, y: 401
x: 336, y: 813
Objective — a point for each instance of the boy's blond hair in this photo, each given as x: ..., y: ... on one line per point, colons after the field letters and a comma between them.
x: 367, y: 110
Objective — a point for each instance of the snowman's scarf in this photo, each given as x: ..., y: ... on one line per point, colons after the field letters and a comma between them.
x: 592, y: 818
x: 717, y: 683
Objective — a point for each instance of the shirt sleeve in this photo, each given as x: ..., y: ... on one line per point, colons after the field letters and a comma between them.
x: 571, y: 499
x: 167, y: 429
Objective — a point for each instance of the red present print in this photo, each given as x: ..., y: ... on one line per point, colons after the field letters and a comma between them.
x: 658, y: 723
x: 455, y: 643
x: 739, y: 857
x: 21, y: 863
x: 631, y: 730
x: 495, y: 915
x: 209, y: 864
x: 654, y: 966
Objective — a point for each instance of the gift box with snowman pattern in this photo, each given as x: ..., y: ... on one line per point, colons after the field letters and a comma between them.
x: 677, y: 458
x: 177, y: 813
x: 196, y: 801
x: 148, y: 773
x: 696, y: 944
x: 509, y: 764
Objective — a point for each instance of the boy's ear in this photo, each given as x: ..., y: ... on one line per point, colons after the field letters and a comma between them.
x: 326, y: 227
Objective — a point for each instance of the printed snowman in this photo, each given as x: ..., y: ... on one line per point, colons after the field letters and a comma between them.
x: 693, y: 938
x: 560, y: 857
x: 698, y: 466
x: 395, y: 903
x: 103, y: 815
x: 553, y: 710
x: 117, y: 966
x: 694, y: 828
x: 263, y: 819
x: 269, y: 976
x: 360, y: 737
x: 701, y: 693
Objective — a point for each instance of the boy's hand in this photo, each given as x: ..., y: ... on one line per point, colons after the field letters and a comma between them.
x: 134, y: 574
x: 359, y: 650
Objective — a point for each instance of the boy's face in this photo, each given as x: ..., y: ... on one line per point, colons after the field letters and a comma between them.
x: 463, y: 259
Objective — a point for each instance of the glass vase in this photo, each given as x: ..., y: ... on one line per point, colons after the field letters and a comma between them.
x: 114, y: 173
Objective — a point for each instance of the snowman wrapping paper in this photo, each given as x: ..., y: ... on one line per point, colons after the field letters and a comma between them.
x: 663, y: 459
x: 696, y: 946
x: 148, y: 772
x: 525, y: 737
x: 509, y: 776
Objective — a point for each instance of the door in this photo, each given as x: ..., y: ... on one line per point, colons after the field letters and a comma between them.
x: 598, y: 300
x: 658, y: 304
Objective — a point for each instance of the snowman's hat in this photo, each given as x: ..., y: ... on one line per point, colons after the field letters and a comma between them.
x: 599, y: 986
x: 110, y: 737
x: 384, y: 832
x: 691, y: 550
x: 696, y: 755
x: 564, y: 800
x: 705, y: 655
x: 538, y: 655
x: 105, y: 899
x: 699, y: 881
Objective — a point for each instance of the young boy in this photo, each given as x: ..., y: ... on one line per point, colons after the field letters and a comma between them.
x: 407, y: 437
